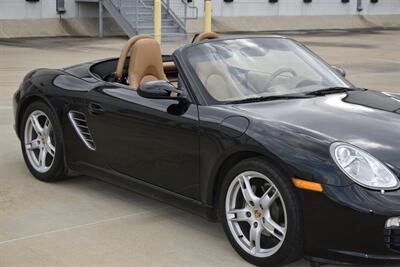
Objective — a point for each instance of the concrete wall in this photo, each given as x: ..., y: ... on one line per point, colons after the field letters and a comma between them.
x: 19, y: 18
x: 291, y: 23
x: 44, y: 9
x: 299, y: 8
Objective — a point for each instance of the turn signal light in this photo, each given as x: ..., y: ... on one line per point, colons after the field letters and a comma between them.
x: 307, y: 185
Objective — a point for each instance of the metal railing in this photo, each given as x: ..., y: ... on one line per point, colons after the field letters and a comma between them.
x: 181, y: 10
x: 126, y: 7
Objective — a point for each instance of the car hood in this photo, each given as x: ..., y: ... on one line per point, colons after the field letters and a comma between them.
x: 367, y: 119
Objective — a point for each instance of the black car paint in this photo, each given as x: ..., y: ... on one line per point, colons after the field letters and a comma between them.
x: 191, y: 150
x: 147, y: 140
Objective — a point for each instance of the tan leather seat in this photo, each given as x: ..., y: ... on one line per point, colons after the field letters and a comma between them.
x: 258, y: 80
x: 218, y: 81
x: 145, y: 63
x: 167, y: 66
x: 124, y: 53
x: 205, y: 35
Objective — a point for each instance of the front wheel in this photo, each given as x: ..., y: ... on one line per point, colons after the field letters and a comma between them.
x: 42, y: 143
x: 261, y: 214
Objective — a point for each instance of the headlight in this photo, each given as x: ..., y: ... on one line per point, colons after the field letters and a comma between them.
x: 363, y: 168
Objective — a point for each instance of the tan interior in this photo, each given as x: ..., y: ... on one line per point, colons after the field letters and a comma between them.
x: 169, y: 66
x: 124, y: 53
x: 145, y: 63
x: 146, y: 60
x: 151, y: 64
x: 206, y: 35
x: 217, y: 81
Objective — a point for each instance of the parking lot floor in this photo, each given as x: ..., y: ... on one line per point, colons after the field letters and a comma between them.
x: 86, y: 222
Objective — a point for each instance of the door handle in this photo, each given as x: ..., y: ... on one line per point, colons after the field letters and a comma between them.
x: 95, y: 108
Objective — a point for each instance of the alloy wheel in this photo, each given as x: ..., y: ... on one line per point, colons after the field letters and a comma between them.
x: 39, y: 141
x: 256, y: 214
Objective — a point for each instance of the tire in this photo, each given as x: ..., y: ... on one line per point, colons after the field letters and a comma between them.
x: 48, y: 145
x: 247, y: 217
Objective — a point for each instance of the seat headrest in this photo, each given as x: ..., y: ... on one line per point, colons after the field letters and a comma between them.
x: 204, y: 36
x: 145, y: 62
x: 124, y: 53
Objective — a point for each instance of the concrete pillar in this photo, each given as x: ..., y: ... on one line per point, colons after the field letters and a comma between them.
x: 101, y: 21
x: 157, y: 20
x: 207, y: 15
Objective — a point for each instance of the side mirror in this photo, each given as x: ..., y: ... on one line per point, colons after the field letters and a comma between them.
x: 158, y: 90
x: 339, y: 70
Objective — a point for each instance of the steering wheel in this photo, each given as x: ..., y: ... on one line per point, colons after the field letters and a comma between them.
x: 278, y: 73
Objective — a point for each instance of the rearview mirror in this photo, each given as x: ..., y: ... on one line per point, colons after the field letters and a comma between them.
x: 339, y: 70
x: 158, y: 90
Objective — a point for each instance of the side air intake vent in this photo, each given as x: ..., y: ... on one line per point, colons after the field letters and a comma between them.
x: 78, y: 120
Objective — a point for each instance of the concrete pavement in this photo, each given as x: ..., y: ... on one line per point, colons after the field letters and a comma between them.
x: 88, y: 26
x: 85, y: 222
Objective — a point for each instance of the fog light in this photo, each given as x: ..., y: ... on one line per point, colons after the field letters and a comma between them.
x: 393, y: 222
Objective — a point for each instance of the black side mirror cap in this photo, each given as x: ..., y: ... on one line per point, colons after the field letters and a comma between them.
x: 159, y: 90
x: 339, y: 70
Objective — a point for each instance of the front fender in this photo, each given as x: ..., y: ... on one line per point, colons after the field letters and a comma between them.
x: 37, y: 85
x: 302, y: 150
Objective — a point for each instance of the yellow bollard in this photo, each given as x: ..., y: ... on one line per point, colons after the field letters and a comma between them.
x: 207, y: 15
x: 157, y: 20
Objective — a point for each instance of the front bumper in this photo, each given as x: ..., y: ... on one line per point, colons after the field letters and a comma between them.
x: 347, y: 225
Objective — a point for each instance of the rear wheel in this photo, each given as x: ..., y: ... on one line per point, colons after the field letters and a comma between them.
x: 41, y: 143
x: 261, y: 214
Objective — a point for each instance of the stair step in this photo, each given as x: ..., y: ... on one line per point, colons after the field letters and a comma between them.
x: 151, y: 27
x: 151, y: 24
x: 87, y: 1
x: 145, y: 16
x: 144, y: 11
x: 163, y: 33
x: 148, y: 3
x: 167, y: 19
x: 141, y: 12
x: 134, y: 5
x: 163, y: 22
x: 136, y: 18
x: 139, y: 9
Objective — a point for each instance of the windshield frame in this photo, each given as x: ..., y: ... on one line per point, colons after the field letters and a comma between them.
x: 202, y: 94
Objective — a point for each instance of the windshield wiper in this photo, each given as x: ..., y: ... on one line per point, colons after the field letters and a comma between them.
x: 331, y: 90
x: 269, y: 98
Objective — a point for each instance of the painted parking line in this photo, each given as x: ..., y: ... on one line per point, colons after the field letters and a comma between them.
x: 158, y: 211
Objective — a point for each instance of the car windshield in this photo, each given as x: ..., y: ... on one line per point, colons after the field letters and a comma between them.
x: 234, y: 70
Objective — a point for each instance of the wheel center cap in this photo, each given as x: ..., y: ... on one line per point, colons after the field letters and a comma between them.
x: 257, y: 213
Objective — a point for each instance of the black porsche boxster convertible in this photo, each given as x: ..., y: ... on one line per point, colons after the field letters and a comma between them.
x: 258, y: 133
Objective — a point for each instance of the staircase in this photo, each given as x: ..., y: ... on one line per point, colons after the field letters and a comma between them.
x: 136, y: 16
x: 145, y: 23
